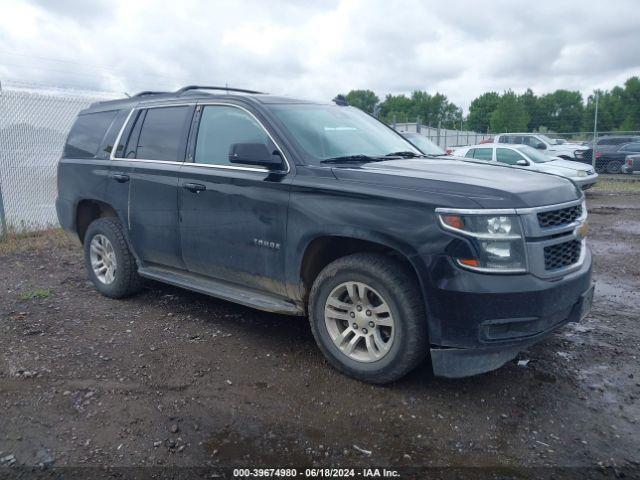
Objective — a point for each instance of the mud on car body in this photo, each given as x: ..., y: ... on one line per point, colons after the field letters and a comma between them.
x: 316, y: 209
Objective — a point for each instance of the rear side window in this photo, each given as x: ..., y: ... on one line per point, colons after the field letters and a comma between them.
x: 470, y: 153
x: 484, y: 154
x: 631, y: 147
x: 163, y: 134
x: 87, y: 133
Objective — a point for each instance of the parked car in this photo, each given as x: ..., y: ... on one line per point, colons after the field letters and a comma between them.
x: 611, y: 160
x: 612, y: 141
x: 526, y: 157
x: 425, y: 145
x: 541, y: 142
x: 320, y: 210
x: 631, y: 164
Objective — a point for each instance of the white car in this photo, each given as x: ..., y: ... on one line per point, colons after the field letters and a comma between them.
x: 541, y: 142
x: 526, y: 157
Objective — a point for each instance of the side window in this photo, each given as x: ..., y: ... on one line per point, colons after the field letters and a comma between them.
x: 512, y: 139
x: 484, y: 154
x: 508, y: 156
x: 87, y: 133
x: 470, y: 153
x: 631, y: 147
x: 163, y: 135
x: 222, y: 126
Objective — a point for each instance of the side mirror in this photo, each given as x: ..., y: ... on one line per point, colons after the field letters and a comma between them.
x: 523, y: 163
x: 541, y: 146
x: 253, y: 154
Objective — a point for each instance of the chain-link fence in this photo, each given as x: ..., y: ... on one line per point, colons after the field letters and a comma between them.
x: 444, y: 137
x: 33, y: 127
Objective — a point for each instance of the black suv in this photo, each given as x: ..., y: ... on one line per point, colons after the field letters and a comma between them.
x: 317, y: 209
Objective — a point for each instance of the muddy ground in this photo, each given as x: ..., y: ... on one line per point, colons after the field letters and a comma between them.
x: 173, y: 378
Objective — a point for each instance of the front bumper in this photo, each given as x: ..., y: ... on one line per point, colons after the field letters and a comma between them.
x: 479, y: 322
x: 586, y: 182
x: 464, y: 362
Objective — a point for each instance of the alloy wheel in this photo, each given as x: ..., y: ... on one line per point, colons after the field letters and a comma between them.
x: 359, y: 321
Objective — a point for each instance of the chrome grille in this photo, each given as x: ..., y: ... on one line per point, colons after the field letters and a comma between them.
x: 562, y: 254
x: 556, y: 218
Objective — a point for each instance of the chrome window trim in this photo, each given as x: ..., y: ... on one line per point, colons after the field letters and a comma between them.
x: 119, y: 137
x: 205, y: 103
x: 194, y: 164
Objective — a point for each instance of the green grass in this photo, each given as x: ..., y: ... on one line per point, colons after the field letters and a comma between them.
x: 606, y: 185
x: 36, y: 293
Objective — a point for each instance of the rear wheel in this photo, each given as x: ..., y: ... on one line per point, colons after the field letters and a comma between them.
x: 367, y: 316
x: 108, y: 259
x: 614, y: 166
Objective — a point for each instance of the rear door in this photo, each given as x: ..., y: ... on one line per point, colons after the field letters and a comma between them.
x: 154, y: 152
x: 233, y: 218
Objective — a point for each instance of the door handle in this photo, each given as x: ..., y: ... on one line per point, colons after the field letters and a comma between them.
x: 194, y: 187
x: 120, y: 177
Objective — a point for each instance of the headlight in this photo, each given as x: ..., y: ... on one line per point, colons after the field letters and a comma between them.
x: 497, y: 240
x: 582, y: 173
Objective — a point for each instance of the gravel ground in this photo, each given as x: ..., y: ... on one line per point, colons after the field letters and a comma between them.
x: 173, y: 378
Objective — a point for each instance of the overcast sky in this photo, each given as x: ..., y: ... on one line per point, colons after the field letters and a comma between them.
x: 320, y: 48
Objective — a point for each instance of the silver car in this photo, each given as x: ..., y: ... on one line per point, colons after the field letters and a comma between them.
x: 524, y: 156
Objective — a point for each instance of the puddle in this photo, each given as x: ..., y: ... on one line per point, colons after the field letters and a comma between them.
x: 229, y: 446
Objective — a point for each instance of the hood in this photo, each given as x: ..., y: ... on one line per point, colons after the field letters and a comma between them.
x: 489, y: 186
x: 569, y: 147
x: 564, y: 167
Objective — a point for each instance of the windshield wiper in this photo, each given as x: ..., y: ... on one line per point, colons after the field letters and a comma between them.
x: 352, y: 159
x: 404, y: 154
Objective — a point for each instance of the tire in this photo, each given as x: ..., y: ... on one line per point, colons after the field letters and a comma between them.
x: 614, y: 166
x: 395, y: 285
x: 107, y: 236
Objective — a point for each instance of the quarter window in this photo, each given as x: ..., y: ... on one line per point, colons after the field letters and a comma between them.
x: 470, y: 153
x: 222, y: 126
x: 163, y: 134
x: 87, y: 134
x: 508, y: 156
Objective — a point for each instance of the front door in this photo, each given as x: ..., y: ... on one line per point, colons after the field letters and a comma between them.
x: 232, y: 218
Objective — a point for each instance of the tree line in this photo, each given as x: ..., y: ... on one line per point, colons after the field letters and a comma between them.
x: 559, y: 111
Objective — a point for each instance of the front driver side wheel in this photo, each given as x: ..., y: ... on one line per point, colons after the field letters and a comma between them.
x: 367, y: 316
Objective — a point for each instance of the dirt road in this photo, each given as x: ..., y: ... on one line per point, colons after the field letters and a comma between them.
x: 172, y: 378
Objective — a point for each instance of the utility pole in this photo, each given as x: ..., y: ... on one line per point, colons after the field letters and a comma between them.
x: 595, y: 134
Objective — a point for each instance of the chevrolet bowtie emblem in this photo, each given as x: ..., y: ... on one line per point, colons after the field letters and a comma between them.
x: 582, y: 231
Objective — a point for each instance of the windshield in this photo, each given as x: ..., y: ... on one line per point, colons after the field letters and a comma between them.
x: 533, y: 154
x: 424, y: 144
x: 550, y: 141
x: 330, y: 131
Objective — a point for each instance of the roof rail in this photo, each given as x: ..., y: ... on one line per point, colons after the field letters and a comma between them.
x: 148, y: 92
x: 202, y: 87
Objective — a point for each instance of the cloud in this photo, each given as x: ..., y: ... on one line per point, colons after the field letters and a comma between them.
x: 318, y: 49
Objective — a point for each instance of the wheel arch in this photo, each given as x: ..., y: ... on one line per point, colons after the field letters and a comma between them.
x: 87, y: 210
x: 318, y: 251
